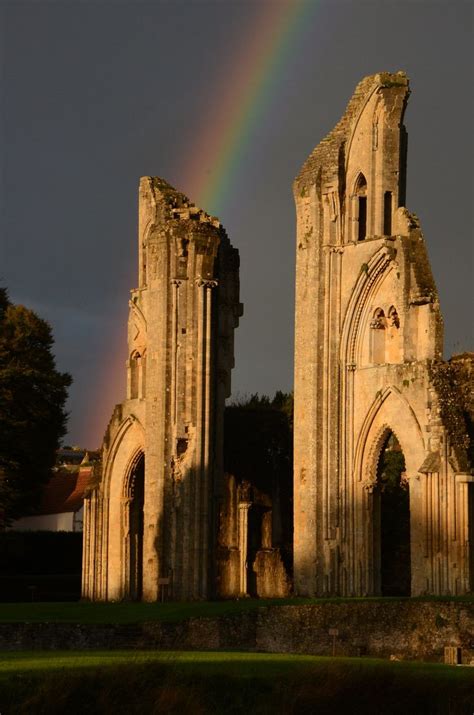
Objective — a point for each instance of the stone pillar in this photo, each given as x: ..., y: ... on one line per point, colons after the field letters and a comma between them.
x: 267, y: 535
x: 464, y: 483
x: 101, y: 551
x: 185, y: 329
x: 126, y: 546
x: 243, y: 544
x: 208, y: 434
x: 86, y: 556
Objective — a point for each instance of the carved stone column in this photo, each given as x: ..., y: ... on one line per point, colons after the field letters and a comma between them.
x: 243, y: 544
x: 87, y: 558
x: 127, y: 547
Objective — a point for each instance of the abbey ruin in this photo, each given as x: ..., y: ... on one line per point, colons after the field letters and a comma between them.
x: 383, y: 500
x: 151, y: 521
x: 367, y: 366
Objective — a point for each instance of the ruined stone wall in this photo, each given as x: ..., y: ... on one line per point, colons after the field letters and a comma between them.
x: 404, y: 630
x: 251, y: 552
x: 180, y: 336
x: 368, y: 337
x: 255, y: 525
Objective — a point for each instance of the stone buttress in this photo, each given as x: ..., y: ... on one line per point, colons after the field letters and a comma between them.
x: 151, y: 520
x: 368, y: 363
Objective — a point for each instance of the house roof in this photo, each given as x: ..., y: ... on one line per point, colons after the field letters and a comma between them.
x: 77, y: 455
x: 65, y: 491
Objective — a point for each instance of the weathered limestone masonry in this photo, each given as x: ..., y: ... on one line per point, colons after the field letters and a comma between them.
x: 150, y: 523
x: 408, y: 629
x: 368, y: 365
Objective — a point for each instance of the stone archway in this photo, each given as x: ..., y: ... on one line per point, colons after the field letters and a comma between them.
x: 133, y: 531
x: 391, y: 520
x: 390, y: 414
x: 123, y: 490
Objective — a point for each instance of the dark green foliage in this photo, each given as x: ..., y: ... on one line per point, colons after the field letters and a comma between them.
x: 258, y: 449
x: 259, y: 437
x: 392, y: 465
x: 40, y: 565
x: 395, y: 521
x: 454, y: 390
x: 27, y: 589
x: 32, y: 415
x: 40, y: 552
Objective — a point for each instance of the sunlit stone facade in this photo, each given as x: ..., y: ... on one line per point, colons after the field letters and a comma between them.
x: 371, y: 391
x: 368, y: 364
x: 151, y: 520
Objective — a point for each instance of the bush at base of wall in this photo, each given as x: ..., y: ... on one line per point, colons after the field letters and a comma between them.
x: 40, y: 566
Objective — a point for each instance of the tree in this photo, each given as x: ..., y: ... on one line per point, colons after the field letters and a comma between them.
x: 258, y: 435
x: 32, y: 415
x: 258, y: 448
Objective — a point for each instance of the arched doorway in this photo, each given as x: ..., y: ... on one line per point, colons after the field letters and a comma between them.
x: 392, y: 520
x: 136, y: 495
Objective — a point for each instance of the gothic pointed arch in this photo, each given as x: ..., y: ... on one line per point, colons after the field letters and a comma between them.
x: 360, y: 184
x: 128, y: 437
x: 390, y: 414
x: 129, y: 485
x: 359, y: 305
x: 132, y: 526
x: 390, y: 411
x: 361, y: 109
x: 391, y: 508
x: 127, y: 444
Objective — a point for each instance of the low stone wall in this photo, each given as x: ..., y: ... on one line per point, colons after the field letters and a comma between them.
x: 405, y: 630
x: 412, y: 630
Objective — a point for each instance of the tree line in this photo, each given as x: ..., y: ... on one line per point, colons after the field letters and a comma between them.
x: 33, y: 418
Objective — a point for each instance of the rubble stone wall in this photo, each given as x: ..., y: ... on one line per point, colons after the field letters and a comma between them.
x: 412, y: 630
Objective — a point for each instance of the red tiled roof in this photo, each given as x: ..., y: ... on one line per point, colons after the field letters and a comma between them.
x: 65, y: 491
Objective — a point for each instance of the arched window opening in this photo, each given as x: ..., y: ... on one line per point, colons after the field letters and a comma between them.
x: 135, y: 532
x: 392, y: 521
x: 361, y: 198
x: 377, y: 337
x: 135, y: 370
x: 387, y: 213
x: 142, y: 385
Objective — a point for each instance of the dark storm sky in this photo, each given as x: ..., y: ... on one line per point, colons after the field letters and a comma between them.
x: 97, y: 94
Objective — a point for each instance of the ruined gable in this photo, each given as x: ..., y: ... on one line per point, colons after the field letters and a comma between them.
x: 368, y: 366
x: 151, y: 521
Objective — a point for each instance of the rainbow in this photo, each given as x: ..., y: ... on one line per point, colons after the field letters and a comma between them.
x: 251, y: 81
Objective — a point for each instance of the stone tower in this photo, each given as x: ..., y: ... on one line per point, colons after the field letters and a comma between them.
x: 368, y: 370
x: 150, y: 523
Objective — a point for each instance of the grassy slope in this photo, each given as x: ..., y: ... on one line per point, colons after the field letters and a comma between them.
x: 211, y: 682
x: 101, y: 613
x: 232, y: 663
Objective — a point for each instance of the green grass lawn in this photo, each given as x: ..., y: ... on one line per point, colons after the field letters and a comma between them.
x: 231, y: 682
x: 102, y: 613
x: 233, y: 663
